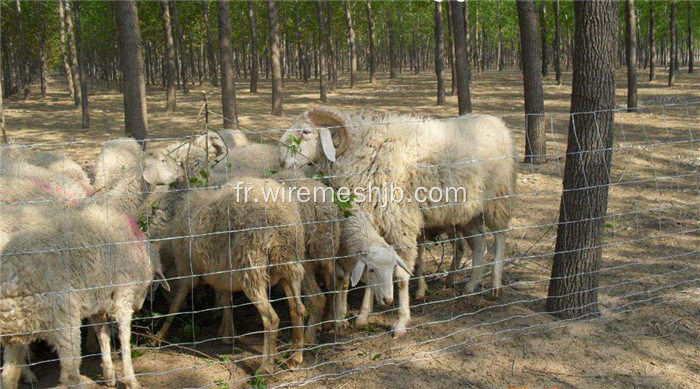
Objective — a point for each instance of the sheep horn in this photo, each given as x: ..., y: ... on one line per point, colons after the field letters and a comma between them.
x: 332, y: 117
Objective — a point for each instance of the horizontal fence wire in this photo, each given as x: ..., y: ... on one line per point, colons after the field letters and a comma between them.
x: 649, y: 250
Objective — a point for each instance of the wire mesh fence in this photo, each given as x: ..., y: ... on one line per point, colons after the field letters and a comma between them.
x: 265, y: 290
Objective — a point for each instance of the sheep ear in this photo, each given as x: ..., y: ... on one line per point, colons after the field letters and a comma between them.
x: 402, y: 264
x: 151, y: 174
x: 357, y: 273
x: 327, y: 143
x: 159, y: 277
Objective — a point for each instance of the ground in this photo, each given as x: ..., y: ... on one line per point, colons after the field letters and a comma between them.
x: 648, y: 333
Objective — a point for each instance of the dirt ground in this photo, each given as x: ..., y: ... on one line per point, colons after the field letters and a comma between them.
x: 648, y: 335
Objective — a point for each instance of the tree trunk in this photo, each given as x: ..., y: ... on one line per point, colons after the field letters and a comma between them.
x: 536, y: 137
x: 353, y: 46
x: 690, y: 37
x: 3, y: 133
x: 81, y: 66
x: 499, y: 53
x: 673, y: 53
x: 254, y: 48
x: 228, y: 86
x: 276, y: 62
x: 461, y: 60
x: 631, y: 43
x: 573, y: 289
x: 652, y: 44
x: 557, y: 43
x: 392, y: 47
x: 169, y: 59
x: 321, y: 52
x: 64, y: 56
x: 73, y: 53
x: 453, y: 67
x: 332, y: 54
x: 439, y: 55
x: 131, y: 59
x: 543, y: 36
x: 181, y: 48
x: 24, y: 70
x: 210, y: 45
x: 467, y: 45
x: 372, y: 44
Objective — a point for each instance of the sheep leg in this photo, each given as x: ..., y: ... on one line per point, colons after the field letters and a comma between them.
x: 457, y: 255
x: 422, y: 286
x: 399, y: 327
x: 123, y: 316
x: 296, y: 310
x: 328, y: 314
x: 67, y: 344
x: 182, y: 290
x: 13, y: 359
x: 258, y: 297
x: 226, y: 331
x: 500, y: 238
x: 365, y: 309
x: 317, y: 305
x: 478, y: 251
x: 102, y: 330
x: 340, y: 306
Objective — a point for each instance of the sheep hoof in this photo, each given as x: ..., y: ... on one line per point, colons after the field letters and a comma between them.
x: 328, y: 326
x: 132, y: 384
x: 295, y: 361
x: 420, y: 294
x: 110, y: 378
x: 227, y: 340
x: 266, y: 368
x: 496, y: 293
x: 398, y: 332
x: 342, y: 325
x: 310, y: 337
x: 28, y: 377
x: 361, y: 322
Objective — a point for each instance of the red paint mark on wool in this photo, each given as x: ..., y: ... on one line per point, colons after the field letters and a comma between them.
x: 134, y: 224
x: 42, y: 184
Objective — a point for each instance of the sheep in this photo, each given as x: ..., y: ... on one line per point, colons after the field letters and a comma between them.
x: 234, y: 138
x: 263, y: 242
x: 413, y: 152
x: 54, y: 162
x: 62, y: 183
x: 90, y: 267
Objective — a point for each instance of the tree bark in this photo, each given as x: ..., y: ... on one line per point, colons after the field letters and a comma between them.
x: 333, y: 71
x: 210, y: 45
x: 44, y: 70
x: 690, y: 37
x: 557, y: 43
x: 439, y: 55
x: 228, y: 86
x: 169, y: 59
x: 3, y: 132
x: 81, y: 67
x: 673, y: 52
x: 461, y: 60
x: 631, y: 46
x: 499, y: 53
x: 543, y: 36
x: 135, y: 110
x: 453, y: 67
x: 73, y: 53
x: 372, y: 44
x: 536, y: 137
x: 24, y: 70
x: 254, y: 48
x: 64, y: 56
x: 351, y: 42
x: 573, y: 289
x: 276, y: 62
x: 652, y: 44
x: 321, y: 52
x: 392, y: 46
x: 181, y: 49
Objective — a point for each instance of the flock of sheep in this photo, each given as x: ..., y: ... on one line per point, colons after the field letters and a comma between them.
x: 175, y: 211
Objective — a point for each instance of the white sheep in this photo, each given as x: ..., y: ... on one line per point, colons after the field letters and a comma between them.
x: 239, y: 245
x: 60, y: 183
x: 474, y: 152
x: 234, y: 138
x: 115, y: 156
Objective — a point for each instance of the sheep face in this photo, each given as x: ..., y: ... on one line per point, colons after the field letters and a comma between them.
x: 376, y: 268
x: 160, y: 169
x: 305, y: 145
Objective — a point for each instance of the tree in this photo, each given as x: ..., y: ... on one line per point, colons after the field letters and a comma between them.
x: 573, y: 288
x: 3, y: 133
x: 392, y: 46
x: 228, y: 86
x: 210, y: 45
x: 73, y: 52
x: 557, y: 43
x: 536, y: 137
x: 631, y: 46
x: 461, y: 60
x: 131, y: 60
x: 353, y: 46
x: 543, y: 36
x: 81, y: 66
x: 439, y: 55
x: 24, y: 70
x: 169, y: 59
x: 652, y: 44
x: 64, y: 57
x: 673, y: 52
x: 321, y: 52
x: 499, y: 53
x: 690, y: 37
x: 276, y: 61
x: 182, y: 51
x: 372, y: 44
x: 253, y: 48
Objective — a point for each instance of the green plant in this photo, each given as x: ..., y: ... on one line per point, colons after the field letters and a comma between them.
x: 221, y: 384
x: 136, y: 353
x: 258, y: 381
x: 344, y: 203
x: 269, y: 173
x: 200, y: 180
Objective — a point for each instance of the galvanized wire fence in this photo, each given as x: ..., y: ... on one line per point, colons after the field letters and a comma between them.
x: 650, y: 253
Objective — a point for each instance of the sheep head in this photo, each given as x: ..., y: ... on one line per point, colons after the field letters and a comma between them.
x: 310, y: 140
x: 376, y: 267
x: 159, y: 168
